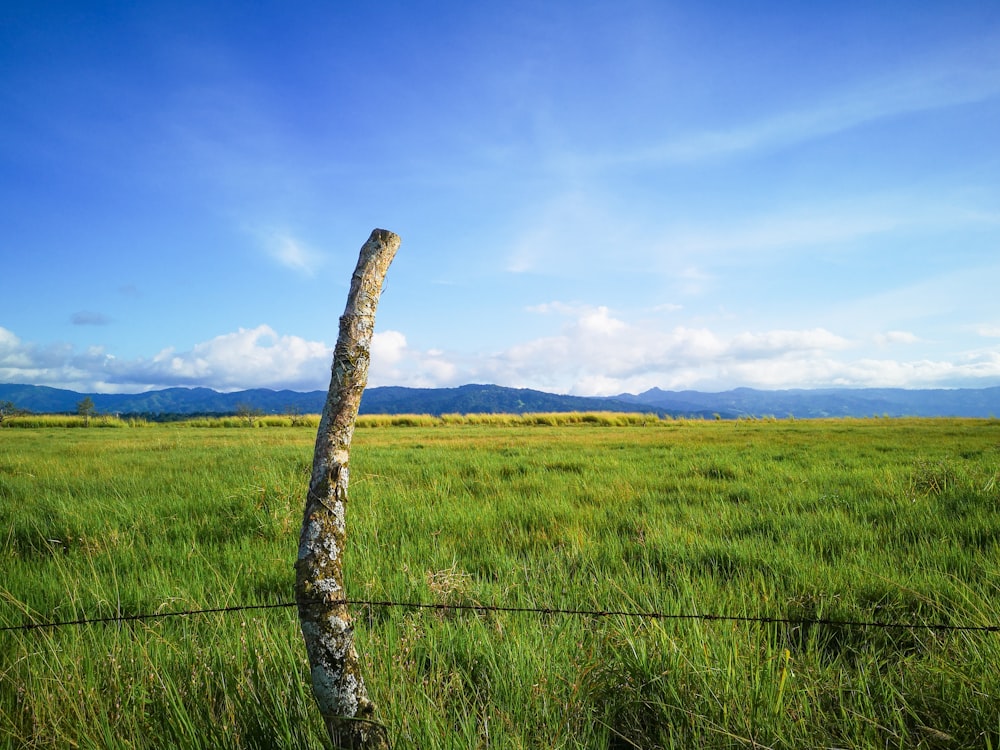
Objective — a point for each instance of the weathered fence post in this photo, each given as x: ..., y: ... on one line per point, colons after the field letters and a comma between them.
x: 319, y: 580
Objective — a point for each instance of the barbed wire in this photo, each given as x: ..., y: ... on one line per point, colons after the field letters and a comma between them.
x: 498, y: 608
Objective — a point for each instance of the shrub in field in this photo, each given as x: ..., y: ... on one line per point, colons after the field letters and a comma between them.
x: 493, y: 420
x: 933, y: 477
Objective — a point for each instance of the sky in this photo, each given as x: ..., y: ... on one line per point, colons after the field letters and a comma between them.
x: 593, y: 197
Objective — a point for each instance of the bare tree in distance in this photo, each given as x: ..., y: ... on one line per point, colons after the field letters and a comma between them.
x: 248, y: 413
x: 319, y: 581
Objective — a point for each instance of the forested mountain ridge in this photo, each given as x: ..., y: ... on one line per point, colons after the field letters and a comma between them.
x: 492, y: 399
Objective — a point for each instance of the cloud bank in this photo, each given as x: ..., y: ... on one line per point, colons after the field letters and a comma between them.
x: 593, y: 352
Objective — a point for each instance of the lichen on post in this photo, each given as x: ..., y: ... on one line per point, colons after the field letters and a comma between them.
x: 319, y: 577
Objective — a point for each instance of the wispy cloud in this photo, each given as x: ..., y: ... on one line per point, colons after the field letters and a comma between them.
x: 89, y: 318
x: 557, y: 223
x: 895, y: 337
x: 918, y: 89
x: 583, y: 232
x: 292, y: 253
x: 788, y: 230
x: 566, y: 230
x: 692, y: 256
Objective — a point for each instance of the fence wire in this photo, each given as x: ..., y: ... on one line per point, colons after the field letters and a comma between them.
x: 496, y: 608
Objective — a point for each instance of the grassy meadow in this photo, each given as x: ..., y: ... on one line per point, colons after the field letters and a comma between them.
x: 857, y: 520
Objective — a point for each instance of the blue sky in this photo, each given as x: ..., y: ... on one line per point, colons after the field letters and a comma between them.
x: 593, y: 198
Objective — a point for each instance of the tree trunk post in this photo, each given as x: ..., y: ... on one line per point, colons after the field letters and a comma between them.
x: 319, y: 580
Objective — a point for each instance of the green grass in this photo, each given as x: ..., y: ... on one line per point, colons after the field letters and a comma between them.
x: 887, y: 520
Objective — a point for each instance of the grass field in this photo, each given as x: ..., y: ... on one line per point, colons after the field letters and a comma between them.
x: 861, y: 520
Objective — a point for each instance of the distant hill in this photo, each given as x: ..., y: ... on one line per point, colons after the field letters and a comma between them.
x: 45, y: 400
x: 492, y: 399
x: 829, y: 402
x: 466, y: 399
x: 482, y: 399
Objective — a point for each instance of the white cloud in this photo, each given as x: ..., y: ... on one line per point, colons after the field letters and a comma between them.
x: 292, y: 253
x: 598, y: 322
x: 599, y: 353
x: 54, y: 365
x: 595, y: 352
x: 248, y: 358
x: 783, y: 342
x: 9, y: 343
x: 394, y: 362
x: 388, y: 348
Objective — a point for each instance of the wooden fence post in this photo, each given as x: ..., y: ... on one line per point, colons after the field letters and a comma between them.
x: 319, y: 580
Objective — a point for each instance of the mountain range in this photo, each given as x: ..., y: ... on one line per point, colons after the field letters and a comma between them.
x: 477, y: 399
